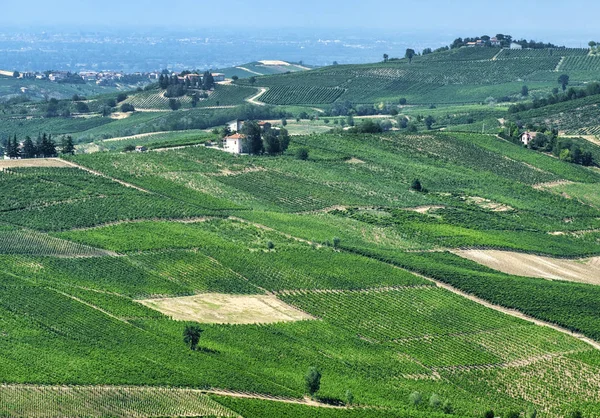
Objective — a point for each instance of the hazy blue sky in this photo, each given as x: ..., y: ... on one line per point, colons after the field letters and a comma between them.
x: 516, y: 16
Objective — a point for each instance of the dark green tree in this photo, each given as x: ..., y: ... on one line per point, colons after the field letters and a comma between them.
x: 386, y: 57
x: 416, y: 185
x: 191, y: 335
x: 429, y: 121
x: 489, y: 414
x: 127, y: 107
x: 208, y: 82
x: 410, y: 53
x: 576, y: 414
x: 82, y: 107
x: 29, y: 150
x: 313, y: 381
x: 563, y: 80
x: 253, y: 136
x: 174, y: 104
x: 16, y: 74
x: 302, y: 153
x: 66, y: 146
x: 525, y: 91
x: 284, y: 139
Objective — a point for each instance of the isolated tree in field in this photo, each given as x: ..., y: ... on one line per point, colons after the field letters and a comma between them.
x: 252, y: 80
x: 191, y: 335
x: 302, y: 154
x: 410, y: 53
x: 349, y: 397
x: 429, y: 121
x: 576, y: 414
x: 121, y: 97
x: 592, y: 44
x: 16, y: 74
x: 415, y: 398
x: 489, y: 414
x: 67, y: 146
x: 435, y: 401
x: 563, y: 80
x: 235, y: 78
x: 525, y: 91
x: 416, y: 185
x: 313, y: 381
x: 283, y: 122
x: 336, y: 242
x: 386, y: 57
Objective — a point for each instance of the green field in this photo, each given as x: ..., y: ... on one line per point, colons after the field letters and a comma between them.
x: 100, y: 258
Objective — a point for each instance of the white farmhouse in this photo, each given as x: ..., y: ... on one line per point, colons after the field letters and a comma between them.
x: 234, y: 143
x: 515, y: 46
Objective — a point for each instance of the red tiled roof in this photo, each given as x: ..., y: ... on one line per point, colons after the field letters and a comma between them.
x: 236, y: 136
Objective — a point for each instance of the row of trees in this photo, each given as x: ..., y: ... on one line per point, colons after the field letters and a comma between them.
x: 571, y: 94
x: 269, y: 141
x: 43, y: 147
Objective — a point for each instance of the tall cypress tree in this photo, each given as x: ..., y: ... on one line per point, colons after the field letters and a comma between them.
x: 29, y: 150
x: 15, y: 151
x: 67, y: 146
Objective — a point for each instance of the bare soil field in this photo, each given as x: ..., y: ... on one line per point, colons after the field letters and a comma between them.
x: 33, y: 162
x: 528, y: 265
x: 215, y: 308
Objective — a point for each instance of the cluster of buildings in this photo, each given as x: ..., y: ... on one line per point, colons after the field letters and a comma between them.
x: 494, y: 42
x: 108, y: 77
x: 236, y: 142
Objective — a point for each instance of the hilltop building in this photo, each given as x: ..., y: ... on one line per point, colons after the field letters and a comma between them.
x: 515, y: 46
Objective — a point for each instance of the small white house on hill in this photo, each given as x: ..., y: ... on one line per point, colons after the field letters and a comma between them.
x: 515, y: 46
x: 527, y: 137
x: 234, y: 143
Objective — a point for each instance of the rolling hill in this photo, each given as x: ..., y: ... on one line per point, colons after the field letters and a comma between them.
x: 465, y: 75
x: 334, y: 262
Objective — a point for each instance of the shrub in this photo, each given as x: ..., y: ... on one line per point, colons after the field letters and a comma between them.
x: 302, y: 154
x: 416, y: 185
x: 435, y: 401
x: 415, y: 398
